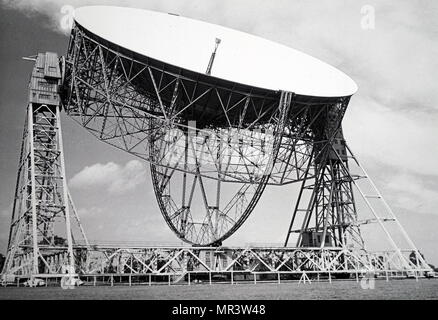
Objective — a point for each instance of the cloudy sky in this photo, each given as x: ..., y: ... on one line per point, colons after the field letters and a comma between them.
x: 391, y: 123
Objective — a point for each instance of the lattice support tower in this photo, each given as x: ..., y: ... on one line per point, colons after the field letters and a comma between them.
x: 326, y: 213
x: 40, y: 239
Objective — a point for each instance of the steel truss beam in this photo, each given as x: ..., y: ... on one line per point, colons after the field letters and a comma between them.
x: 177, y: 262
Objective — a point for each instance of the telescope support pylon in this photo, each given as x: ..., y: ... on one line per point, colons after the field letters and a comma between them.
x: 330, y: 215
x: 40, y: 238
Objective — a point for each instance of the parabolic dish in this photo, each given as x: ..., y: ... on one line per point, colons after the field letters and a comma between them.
x: 241, y: 57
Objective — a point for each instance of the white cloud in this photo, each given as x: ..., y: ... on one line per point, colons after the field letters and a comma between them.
x: 114, y: 178
x: 53, y: 9
x: 411, y: 194
x: 403, y: 140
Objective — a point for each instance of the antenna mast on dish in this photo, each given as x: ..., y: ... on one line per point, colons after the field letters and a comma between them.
x: 213, y: 55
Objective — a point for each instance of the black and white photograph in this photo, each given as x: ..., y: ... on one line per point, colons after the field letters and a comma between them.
x: 205, y: 152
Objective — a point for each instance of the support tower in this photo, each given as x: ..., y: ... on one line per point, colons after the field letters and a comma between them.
x: 40, y: 238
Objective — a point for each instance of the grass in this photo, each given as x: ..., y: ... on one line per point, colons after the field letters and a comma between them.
x: 394, y: 289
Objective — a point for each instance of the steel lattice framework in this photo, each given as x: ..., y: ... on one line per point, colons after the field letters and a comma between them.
x: 178, y: 265
x: 42, y: 209
x: 192, y: 128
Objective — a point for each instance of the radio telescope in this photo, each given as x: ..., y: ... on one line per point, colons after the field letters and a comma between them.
x: 251, y: 122
x: 219, y: 114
